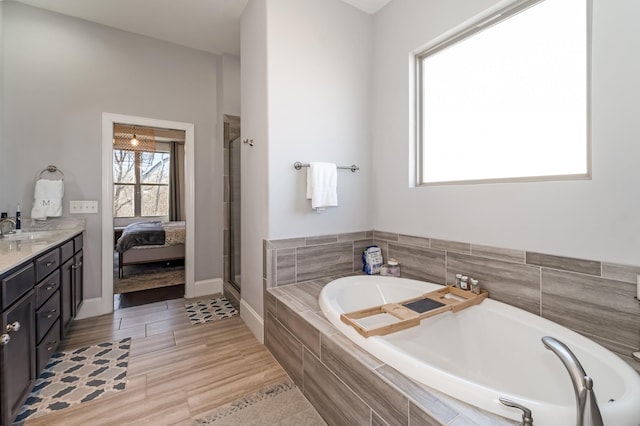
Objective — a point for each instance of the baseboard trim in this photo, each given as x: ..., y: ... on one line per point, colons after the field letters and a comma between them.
x: 204, y: 288
x: 253, y: 321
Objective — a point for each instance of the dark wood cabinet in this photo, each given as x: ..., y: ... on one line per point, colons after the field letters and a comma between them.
x: 39, y: 300
x: 17, y: 355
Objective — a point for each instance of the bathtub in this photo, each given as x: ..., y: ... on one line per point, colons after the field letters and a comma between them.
x: 485, y: 352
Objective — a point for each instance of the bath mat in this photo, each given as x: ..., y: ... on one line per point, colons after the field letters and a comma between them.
x: 77, y: 376
x: 282, y: 404
x: 210, y: 310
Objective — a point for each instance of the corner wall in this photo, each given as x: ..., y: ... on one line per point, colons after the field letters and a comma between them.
x: 591, y: 219
x: 306, y: 93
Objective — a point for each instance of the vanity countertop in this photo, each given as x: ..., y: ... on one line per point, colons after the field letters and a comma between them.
x: 18, y: 248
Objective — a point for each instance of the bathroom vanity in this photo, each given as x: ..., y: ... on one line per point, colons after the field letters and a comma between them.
x: 41, y: 277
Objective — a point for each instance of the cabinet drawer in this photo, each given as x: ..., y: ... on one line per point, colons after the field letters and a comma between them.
x: 17, y: 283
x: 47, y: 315
x: 77, y: 243
x: 48, y: 346
x: 66, y: 251
x: 46, y: 288
x: 47, y: 263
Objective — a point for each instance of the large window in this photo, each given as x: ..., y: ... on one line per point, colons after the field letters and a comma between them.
x: 507, y: 97
x: 140, y: 183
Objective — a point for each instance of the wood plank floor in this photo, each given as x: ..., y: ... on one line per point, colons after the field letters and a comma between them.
x: 177, y: 371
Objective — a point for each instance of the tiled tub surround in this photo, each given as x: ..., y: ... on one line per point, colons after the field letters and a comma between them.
x: 345, y: 384
x: 593, y: 298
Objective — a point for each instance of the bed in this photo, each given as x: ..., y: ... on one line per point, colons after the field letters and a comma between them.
x: 147, y: 242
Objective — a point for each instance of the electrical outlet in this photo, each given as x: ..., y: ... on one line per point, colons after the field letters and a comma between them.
x: 83, y: 207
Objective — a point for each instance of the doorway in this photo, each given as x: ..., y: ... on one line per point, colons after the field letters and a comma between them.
x: 104, y: 304
x: 149, y: 216
x: 232, y: 261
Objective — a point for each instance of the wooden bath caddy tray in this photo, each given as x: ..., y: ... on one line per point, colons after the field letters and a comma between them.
x: 410, y: 312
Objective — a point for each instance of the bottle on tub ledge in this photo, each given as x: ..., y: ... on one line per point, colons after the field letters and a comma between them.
x: 391, y: 268
x: 18, y: 221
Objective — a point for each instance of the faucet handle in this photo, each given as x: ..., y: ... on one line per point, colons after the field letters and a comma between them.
x: 527, y: 419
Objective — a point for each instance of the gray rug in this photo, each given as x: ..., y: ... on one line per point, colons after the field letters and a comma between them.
x: 77, y: 376
x: 210, y: 310
x: 282, y: 404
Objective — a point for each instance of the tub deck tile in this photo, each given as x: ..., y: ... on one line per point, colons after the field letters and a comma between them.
x: 334, y: 401
x: 339, y: 357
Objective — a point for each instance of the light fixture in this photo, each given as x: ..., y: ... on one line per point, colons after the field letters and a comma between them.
x: 134, y: 140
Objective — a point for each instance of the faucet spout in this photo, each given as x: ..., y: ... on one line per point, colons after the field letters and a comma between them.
x: 3, y: 222
x: 588, y: 412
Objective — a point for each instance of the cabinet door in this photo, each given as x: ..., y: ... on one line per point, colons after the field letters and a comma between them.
x: 17, y: 355
x: 66, y: 296
x: 77, y: 282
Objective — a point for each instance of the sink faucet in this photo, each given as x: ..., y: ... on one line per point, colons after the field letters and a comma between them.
x: 586, y: 404
x: 6, y: 220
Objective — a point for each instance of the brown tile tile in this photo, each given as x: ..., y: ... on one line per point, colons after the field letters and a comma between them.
x: 288, y: 243
x: 306, y: 293
x: 512, y: 283
x: 269, y: 303
x: 421, y: 396
x: 285, y: 348
x: 352, y: 236
x: 335, y: 402
x: 320, y: 261
x: 300, y: 328
x: 321, y: 239
x: 593, y: 305
x: 384, y: 246
x: 414, y: 241
x: 450, y: 246
x: 285, y: 266
x: 419, y: 263
x: 564, y: 263
x: 508, y: 255
x: 377, y: 393
x: 417, y: 416
x: 387, y: 236
x: 626, y: 273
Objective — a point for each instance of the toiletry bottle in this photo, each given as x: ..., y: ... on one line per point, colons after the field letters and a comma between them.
x: 18, y: 224
x: 475, y: 286
x: 458, y: 279
x: 464, y: 284
x: 394, y: 268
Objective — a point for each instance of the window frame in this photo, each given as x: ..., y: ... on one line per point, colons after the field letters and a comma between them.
x: 467, y: 29
x: 137, y: 185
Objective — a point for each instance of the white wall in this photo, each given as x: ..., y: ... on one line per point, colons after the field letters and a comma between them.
x: 319, y: 110
x: 230, y: 84
x: 254, y: 193
x: 62, y: 73
x: 594, y: 219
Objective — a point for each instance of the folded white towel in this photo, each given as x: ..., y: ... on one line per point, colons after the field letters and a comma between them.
x: 47, y: 199
x: 322, y: 185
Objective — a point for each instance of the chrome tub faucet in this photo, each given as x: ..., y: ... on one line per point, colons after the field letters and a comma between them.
x: 586, y: 404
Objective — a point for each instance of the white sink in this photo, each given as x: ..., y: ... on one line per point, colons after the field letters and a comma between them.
x: 35, y: 235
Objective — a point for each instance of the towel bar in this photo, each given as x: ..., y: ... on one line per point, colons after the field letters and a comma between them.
x: 298, y: 165
x: 52, y: 169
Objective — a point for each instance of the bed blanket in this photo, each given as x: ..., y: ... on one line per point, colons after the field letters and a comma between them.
x: 141, y: 234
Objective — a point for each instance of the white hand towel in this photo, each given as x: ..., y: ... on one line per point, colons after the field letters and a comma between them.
x: 47, y: 199
x: 322, y: 185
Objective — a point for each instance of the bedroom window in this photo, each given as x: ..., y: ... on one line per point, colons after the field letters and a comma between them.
x: 140, y: 183
x: 506, y: 98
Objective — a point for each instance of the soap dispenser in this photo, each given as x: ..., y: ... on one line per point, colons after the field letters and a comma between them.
x: 18, y: 223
